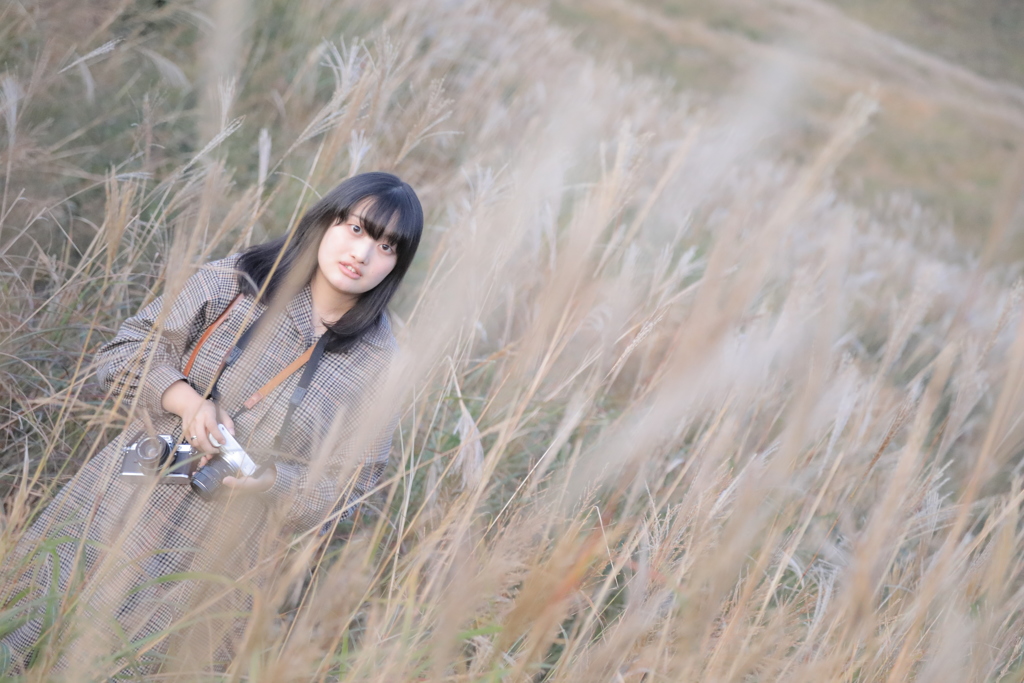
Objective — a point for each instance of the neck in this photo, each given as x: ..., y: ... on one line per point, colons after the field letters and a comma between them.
x: 328, y: 303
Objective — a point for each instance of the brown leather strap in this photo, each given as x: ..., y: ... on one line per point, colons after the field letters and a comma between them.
x: 209, y: 330
x: 265, y: 390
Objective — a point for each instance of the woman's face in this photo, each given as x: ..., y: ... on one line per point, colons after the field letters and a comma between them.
x: 350, y: 260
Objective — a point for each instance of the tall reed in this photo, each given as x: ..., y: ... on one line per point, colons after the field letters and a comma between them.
x: 671, y: 408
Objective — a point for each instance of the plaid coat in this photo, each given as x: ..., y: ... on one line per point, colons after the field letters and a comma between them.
x: 129, y: 553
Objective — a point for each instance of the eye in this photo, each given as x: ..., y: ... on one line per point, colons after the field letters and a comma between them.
x: 387, y: 248
x: 356, y: 228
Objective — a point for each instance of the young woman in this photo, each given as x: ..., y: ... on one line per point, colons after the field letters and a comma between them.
x: 125, y: 557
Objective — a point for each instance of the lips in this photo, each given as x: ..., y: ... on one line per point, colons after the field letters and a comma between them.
x: 350, y: 270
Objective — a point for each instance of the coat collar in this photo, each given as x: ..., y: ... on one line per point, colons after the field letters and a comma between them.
x: 300, y: 309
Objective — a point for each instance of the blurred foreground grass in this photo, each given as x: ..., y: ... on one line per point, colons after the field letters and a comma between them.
x: 674, y: 408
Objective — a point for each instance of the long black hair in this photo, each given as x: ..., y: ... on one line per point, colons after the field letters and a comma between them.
x: 394, y: 213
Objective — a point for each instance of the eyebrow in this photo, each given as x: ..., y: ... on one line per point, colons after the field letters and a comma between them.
x: 388, y: 236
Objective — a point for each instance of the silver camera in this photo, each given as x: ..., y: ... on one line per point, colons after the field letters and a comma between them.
x: 233, y: 461
x: 155, y: 456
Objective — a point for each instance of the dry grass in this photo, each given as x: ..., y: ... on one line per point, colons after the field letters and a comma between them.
x: 672, y: 410
x: 944, y: 133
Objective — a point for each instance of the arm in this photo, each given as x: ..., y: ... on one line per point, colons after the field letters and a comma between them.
x: 307, y: 503
x: 143, y: 360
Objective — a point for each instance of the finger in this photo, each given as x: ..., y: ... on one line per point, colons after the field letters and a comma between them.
x: 202, y: 440
x: 196, y: 437
x: 234, y: 483
x: 247, y: 484
x: 210, y: 432
x: 226, y: 420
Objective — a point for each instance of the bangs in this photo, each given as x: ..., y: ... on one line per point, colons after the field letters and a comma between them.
x: 392, y: 217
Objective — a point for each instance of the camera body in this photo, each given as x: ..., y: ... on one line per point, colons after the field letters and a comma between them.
x: 155, y: 456
x: 162, y: 458
x: 233, y: 461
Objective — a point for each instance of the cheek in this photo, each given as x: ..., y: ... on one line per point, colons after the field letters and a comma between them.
x: 384, y: 268
x: 330, y: 246
x: 322, y: 252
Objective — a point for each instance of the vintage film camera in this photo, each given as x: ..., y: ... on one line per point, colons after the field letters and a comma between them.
x: 156, y: 456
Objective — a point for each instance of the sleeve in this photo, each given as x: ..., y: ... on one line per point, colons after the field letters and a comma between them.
x: 307, y: 503
x: 145, y: 357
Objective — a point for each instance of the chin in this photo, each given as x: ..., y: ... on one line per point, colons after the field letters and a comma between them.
x: 344, y: 286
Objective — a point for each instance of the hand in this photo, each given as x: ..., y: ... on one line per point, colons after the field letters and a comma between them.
x: 200, y: 428
x: 258, y: 484
x: 199, y: 417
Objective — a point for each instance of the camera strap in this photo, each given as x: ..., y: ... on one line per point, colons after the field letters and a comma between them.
x: 315, y: 353
x: 309, y: 360
x: 206, y: 335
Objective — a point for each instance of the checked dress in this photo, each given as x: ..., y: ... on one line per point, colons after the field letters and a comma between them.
x: 134, y: 559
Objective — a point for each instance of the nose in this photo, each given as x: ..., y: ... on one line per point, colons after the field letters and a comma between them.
x: 360, y: 250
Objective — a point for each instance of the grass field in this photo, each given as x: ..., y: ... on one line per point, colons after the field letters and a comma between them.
x: 951, y: 98
x: 693, y: 386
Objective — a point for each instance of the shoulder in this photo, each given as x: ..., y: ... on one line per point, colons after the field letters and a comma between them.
x: 380, y: 336
x: 349, y: 377
x: 212, y: 276
x: 222, y: 271
x: 370, y: 357
x: 218, y: 280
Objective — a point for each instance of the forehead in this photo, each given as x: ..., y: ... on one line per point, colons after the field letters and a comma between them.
x: 362, y: 209
x: 367, y: 213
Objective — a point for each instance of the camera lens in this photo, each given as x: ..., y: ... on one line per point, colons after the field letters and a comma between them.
x: 207, y: 480
x: 152, y: 452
